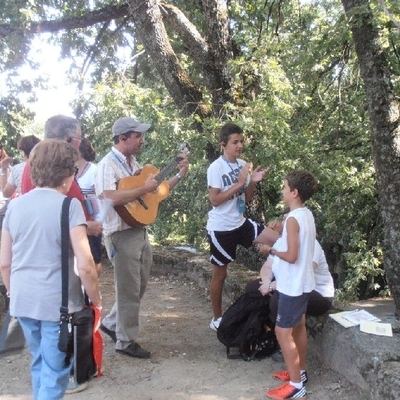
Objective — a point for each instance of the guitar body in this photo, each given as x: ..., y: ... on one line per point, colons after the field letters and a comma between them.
x: 140, y: 213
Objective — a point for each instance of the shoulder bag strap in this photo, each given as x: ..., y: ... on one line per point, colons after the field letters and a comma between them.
x: 64, y: 254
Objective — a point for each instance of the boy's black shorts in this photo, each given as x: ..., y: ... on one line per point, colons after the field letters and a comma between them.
x: 223, y: 244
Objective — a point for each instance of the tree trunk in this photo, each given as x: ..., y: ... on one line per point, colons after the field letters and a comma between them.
x: 210, y: 54
x: 385, y: 132
x: 151, y: 31
x: 214, y: 53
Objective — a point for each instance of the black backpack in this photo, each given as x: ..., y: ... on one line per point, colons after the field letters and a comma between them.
x: 247, y: 326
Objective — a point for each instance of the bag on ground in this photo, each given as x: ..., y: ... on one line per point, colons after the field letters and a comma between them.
x: 76, y: 340
x: 247, y: 326
x: 84, y: 363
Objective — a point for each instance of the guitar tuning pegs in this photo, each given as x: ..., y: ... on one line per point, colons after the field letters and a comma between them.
x: 184, y: 148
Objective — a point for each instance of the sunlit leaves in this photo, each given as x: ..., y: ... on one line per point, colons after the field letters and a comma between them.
x: 295, y: 89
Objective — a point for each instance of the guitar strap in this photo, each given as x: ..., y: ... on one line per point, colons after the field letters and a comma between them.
x: 123, y: 164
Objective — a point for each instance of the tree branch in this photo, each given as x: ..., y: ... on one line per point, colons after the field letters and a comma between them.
x: 91, y: 18
x: 151, y: 32
x: 195, y: 44
x: 389, y: 14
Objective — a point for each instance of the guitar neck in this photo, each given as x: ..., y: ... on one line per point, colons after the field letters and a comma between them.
x: 167, y: 170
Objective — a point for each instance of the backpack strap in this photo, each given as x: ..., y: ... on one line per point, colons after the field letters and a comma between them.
x: 64, y: 254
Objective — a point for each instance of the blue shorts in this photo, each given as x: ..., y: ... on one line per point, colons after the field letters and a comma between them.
x: 291, y: 310
x: 223, y: 244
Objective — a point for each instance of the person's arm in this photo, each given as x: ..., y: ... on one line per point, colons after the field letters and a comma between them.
x: 266, y: 276
x: 94, y: 228
x: 122, y: 197
x: 4, y: 172
x: 266, y: 270
x: 6, y: 257
x: 3, y: 179
x: 257, y: 176
x: 105, y: 186
x: 276, y: 225
x: 85, y: 264
x: 292, y: 252
x: 218, y: 197
x: 8, y: 189
x: 183, y: 170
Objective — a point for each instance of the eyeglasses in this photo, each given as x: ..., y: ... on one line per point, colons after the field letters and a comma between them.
x: 70, y: 139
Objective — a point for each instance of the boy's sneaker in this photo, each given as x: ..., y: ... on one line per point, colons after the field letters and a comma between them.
x: 287, y: 391
x: 284, y: 376
x: 75, y: 387
x: 214, y: 324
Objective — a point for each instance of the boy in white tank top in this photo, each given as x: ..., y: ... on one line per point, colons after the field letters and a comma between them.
x: 294, y: 275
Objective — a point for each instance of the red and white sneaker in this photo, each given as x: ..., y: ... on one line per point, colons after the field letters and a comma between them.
x: 284, y: 376
x: 287, y: 391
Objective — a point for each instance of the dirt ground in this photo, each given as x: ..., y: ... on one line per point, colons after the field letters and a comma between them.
x: 188, y: 362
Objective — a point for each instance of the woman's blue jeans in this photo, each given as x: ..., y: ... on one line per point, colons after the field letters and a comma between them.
x: 49, y: 376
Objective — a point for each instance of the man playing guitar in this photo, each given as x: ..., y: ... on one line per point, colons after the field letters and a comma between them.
x: 128, y: 247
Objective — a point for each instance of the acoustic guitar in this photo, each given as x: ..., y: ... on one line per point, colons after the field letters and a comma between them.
x: 143, y: 210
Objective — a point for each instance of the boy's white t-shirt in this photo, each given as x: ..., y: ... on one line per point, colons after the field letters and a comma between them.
x: 297, y: 278
x: 222, y: 174
x: 323, y: 278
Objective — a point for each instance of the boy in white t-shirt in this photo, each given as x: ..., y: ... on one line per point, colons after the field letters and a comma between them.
x: 231, y: 185
x: 293, y: 270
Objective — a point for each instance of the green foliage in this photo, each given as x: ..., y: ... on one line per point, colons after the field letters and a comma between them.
x: 296, y: 91
x: 365, y: 275
x: 13, y: 117
x: 298, y: 96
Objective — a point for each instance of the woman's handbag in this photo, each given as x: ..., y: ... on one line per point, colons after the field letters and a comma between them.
x: 76, y: 329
